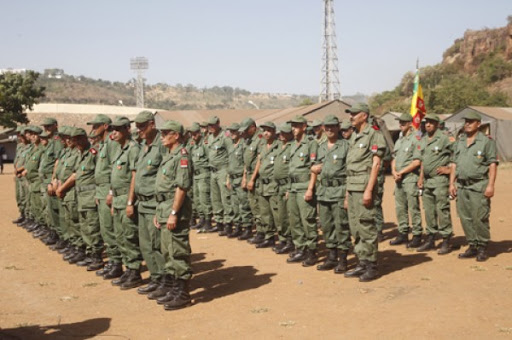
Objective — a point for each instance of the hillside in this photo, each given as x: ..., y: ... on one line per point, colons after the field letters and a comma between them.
x: 476, y: 70
x: 62, y: 88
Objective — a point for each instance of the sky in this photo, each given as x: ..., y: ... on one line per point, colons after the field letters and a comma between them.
x: 260, y: 45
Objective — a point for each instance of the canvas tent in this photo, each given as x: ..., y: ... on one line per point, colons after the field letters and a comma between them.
x: 496, y: 121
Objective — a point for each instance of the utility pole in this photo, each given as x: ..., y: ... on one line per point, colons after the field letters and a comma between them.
x: 139, y: 65
x: 330, y: 72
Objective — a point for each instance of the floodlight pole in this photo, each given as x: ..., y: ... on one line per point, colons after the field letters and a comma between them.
x: 139, y: 65
x: 330, y: 74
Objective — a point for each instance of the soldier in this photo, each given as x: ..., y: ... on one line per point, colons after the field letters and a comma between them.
x: 364, y: 158
x: 122, y: 184
x: 332, y: 161
x: 107, y: 148
x: 318, y: 131
x: 85, y: 187
x: 474, y: 169
x: 301, y: 195
x: 46, y: 168
x: 434, y: 152
x: 268, y: 186
x: 218, y: 147
x: 250, y: 181
x: 346, y: 129
x: 21, y: 161
x: 22, y: 144
x: 150, y: 158
x: 278, y: 201
x: 239, y: 199
x: 173, y: 214
x: 199, y: 155
x: 405, y: 170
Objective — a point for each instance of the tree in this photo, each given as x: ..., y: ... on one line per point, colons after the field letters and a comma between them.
x: 18, y: 93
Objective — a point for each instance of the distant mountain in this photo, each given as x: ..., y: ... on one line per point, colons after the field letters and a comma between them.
x: 476, y: 70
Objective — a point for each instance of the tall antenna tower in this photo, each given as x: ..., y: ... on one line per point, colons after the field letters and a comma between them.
x: 139, y: 65
x: 330, y: 73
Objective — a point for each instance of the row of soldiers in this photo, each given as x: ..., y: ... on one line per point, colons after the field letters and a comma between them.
x: 138, y: 201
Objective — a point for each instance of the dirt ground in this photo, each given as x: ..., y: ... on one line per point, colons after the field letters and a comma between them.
x: 243, y: 292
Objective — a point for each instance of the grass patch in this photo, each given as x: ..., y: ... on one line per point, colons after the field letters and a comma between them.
x: 288, y: 323
x: 90, y: 284
x: 12, y: 268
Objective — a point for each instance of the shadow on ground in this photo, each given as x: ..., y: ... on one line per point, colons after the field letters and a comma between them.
x: 391, y: 261
x: 87, y: 329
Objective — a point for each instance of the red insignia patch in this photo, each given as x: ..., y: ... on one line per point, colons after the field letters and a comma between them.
x: 375, y: 148
x: 111, y: 137
x: 375, y: 127
x: 56, y: 138
x: 418, y: 137
x: 192, y: 143
x: 313, y: 156
x: 184, y: 163
x: 184, y: 151
x: 260, y: 136
x: 489, y: 136
x: 419, y: 147
x: 93, y: 151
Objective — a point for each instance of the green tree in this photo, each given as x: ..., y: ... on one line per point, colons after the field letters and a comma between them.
x: 306, y: 102
x: 18, y: 93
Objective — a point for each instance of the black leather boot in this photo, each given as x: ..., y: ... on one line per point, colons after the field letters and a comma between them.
x: 445, y: 247
x: 227, y: 230
x: 96, y: 262
x: 122, y: 278
x: 371, y: 272
x: 299, y: 256
x: 169, y: 295
x: 257, y: 239
x: 165, y: 286
x: 330, y: 262
x: 246, y: 234
x: 70, y: 253
x: 342, y: 265
x: 207, y: 226
x: 469, y: 253
x: 236, y: 232
x: 20, y: 219
x: 481, y: 254
x: 289, y: 247
x: 400, y: 239
x: 199, y: 224
x: 268, y: 243
x: 415, y: 242
x: 358, y: 270
x: 116, y: 270
x: 85, y: 262
x: 105, y: 269
x: 133, y: 280
x: 429, y: 243
x: 79, y: 256
x: 217, y: 227
x: 150, y: 287
x: 181, y: 297
x: 51, y: 239
x: 278, y: 246
x: 311, y: 258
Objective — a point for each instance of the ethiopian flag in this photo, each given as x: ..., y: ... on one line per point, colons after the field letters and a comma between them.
x: 418, y: 110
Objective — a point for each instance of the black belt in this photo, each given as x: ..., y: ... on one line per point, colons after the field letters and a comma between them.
x: 265, y: 180
x: 163, y: 197
x: 143, y: 198
x: 214, y: 169
x: 333, y: 182
x: 236, y: 176
x: 105, y: 181
x: 121, y: 191
x: 89, y: 187
x: 200, y: 171
x: 357, y: 173
x: 299, y: 179
x: 282, y: 181
x: 468, y: 182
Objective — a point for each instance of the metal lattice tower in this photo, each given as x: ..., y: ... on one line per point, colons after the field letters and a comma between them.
x: 330, y: 71
x: 139, y: 65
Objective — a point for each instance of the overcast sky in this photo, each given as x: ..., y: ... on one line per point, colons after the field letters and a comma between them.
x: 258, y: 45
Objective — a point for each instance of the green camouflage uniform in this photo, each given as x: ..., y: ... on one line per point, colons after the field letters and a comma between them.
x: 35, y: 197
x: 202, y: 200
x: 268, y: 188
x: 239, y: 197
x: 251, y: 150
x: 278, y: 201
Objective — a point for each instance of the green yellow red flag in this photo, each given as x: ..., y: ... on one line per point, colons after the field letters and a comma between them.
x: 418, y: 110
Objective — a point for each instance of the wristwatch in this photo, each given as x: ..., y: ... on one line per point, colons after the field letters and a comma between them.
x: 174, y: 212
x: 130, y: 203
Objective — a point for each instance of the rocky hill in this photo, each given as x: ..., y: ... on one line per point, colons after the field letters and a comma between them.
x: 476, y: 70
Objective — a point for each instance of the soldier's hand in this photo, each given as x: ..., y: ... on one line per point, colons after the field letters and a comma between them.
x: 112, y: 211
x: 97, y: 202
x: 443, y: 170
x: 155, y: 223
x: 345, y: 203
x: 244, y: 183
x: 489, y: 191
x: 367, y: 199
x: 250, y: 185
x: 130, y: 211
x: 316, y: 169
x: 172, y: 222
x: 309, y: 195
x: 420, y: 184
x: 228, y: 185
x: 109, y: 200
x: 286, y: 195
x: 453, y: 190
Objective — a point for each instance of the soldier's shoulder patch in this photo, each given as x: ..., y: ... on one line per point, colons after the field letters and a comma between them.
x: 260, y: 136
x: 313, y: 156
x: 183, y: 163
x: 184, y: 151
x: 375, y: 127
x: 375, y: 147
x: 418, y: 137
x: 93, y: 151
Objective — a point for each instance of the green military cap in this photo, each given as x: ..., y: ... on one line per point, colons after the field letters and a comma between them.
x: 432, y: 116
x: 20, y: 129
x: 285, y: 128
x: 331, y: 120
x: 195, y: 127
x: 345, y: 125
x: 44, y: 134
x: 172, y: 125
x: 246, y: 123
x: 473, y: 115
x: 213, y: 120
x: 75, y: 132
x: 268, y: 125
x: 234, y: 127
x: 359, y: 107
x: 49, y: 121
x: 64, y: 130
x: 92, y: 135
x: 203, y: 124
x: 100, y: 119
x: 144, y: 116
x: 299, y: 119
x: 121, y: 121
x: 405, y: 117
x: 309, y: 129
x: 316, y: 122
x: 34, y: 129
